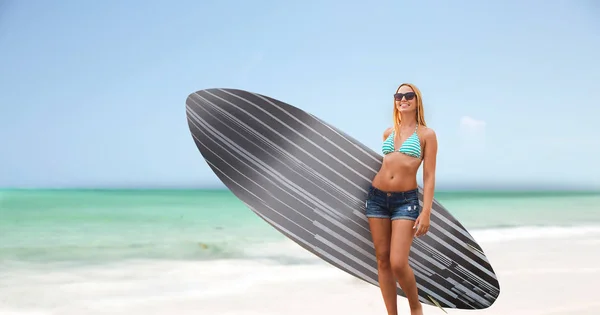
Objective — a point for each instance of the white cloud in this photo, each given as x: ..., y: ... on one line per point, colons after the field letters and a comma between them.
x: 471, y: 124
x: 472, y: 133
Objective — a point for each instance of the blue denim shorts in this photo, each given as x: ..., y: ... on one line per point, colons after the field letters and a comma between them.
x: 393, y: 205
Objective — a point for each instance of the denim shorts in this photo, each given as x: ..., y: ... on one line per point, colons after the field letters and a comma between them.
x: 393, y: 205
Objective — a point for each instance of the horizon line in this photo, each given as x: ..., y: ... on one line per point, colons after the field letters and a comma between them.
x: 466, y: 189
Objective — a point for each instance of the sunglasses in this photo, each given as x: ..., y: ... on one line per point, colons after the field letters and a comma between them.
x: 409, y: 96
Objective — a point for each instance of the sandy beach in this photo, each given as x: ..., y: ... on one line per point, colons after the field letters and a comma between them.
x: 552, y: 273
x: 537, y: 277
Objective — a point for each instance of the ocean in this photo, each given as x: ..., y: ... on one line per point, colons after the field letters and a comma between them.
x: 69, y: 247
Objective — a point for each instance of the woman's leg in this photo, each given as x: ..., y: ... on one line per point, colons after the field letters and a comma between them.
x: 381, y: 233
x: 401, y: 240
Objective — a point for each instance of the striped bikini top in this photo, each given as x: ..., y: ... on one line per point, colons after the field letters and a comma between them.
x: 411, y: 146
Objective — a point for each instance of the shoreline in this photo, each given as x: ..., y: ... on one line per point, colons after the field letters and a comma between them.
x: 471, y: 192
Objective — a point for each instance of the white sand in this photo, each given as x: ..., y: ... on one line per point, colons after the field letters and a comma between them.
x: 552, y: 276
x: 537, y: 276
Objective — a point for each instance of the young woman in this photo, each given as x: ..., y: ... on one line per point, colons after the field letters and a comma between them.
x: 392, y: 206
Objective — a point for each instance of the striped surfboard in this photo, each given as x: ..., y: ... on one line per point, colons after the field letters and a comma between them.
x: 309, y: 180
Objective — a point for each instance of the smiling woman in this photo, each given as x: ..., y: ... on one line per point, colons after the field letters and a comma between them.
x: 393, y: 204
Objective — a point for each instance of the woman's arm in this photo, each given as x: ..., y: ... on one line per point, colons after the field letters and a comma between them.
x: 429, y: 163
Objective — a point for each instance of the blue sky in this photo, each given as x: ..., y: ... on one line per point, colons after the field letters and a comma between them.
x: 92, y: 94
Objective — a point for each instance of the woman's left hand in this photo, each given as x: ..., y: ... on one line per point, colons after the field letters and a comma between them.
x: 422, y: 224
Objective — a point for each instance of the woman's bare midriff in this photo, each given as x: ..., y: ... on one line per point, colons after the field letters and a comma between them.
x: 398, y: 173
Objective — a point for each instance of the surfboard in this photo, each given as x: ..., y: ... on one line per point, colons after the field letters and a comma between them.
x: 310, y: 180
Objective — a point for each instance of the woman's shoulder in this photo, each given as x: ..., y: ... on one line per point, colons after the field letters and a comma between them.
x: 427, y: 132
x: 387, y: 132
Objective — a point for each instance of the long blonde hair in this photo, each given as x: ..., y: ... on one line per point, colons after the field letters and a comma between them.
x: 420, y: 111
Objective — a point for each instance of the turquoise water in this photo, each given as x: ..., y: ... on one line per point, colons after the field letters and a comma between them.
x: 96, y: 226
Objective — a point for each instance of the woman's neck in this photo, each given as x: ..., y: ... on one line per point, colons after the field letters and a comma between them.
x: 408, y: 121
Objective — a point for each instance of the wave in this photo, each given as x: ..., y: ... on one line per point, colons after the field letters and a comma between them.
x: 510, y: 233
x: 281, y: 250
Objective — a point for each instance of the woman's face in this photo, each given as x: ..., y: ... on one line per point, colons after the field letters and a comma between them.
x: 405, y: 99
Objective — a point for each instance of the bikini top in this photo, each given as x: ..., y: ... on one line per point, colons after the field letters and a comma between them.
x: 411, y: 146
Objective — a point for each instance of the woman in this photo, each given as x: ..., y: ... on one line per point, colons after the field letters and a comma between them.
x: 393, y: 204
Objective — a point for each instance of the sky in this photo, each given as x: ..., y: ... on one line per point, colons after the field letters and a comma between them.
x: 92, y: 93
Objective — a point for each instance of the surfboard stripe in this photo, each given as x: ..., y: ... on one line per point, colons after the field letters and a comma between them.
x: 308, y: 179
